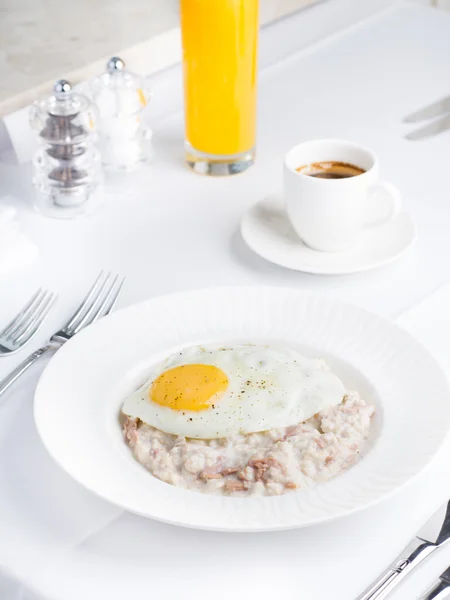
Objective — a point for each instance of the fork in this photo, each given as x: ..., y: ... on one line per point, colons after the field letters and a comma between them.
x: 26, y: 323
x: 99, y: 302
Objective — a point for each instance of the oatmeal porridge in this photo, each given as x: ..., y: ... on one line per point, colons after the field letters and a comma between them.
x: 268, y: 463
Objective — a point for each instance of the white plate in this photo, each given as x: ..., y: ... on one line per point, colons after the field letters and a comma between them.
x: 80, y: 393
x: 267, y: 231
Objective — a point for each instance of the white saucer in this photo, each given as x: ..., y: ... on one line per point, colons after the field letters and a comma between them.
x: 268, y: 232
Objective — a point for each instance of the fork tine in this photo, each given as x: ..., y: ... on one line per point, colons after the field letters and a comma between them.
x: 108, y: 303
x: 28, y: 318
x: 98, y: 306
x: 92, y: 308
x: 84, y: 305
x: 20, y: 314
x: 112, y: 301
x: 38, y: 320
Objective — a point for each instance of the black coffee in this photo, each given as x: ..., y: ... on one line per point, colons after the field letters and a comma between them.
x: 330, y: 170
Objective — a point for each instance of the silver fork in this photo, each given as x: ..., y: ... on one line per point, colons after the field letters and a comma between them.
x: 99, y: 302
x: 26, y: 323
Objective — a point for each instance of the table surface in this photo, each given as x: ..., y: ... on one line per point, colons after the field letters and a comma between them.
x: 167, y: 230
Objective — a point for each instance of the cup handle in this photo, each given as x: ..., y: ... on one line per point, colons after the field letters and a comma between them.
x: 388, y: 194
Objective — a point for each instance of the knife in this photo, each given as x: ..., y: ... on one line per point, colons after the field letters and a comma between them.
x: 441, y: 589
x: 429, y: 112
x: 433, y: 535
x: 430, y: 130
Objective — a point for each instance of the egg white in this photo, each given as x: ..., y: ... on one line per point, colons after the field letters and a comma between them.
x: 269, y: 387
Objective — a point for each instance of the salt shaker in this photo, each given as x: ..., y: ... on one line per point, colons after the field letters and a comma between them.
x: 67, y: 167
x: 121, y: 96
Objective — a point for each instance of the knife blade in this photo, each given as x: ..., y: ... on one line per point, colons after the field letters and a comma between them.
x: 429, y: 112
x: 441, y: 589
x: 433, y: 535
x: 429, y: 130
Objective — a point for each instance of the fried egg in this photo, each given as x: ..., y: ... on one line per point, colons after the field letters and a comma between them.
x: 215, y: 392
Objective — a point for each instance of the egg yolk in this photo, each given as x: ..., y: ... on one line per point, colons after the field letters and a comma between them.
x: 189, y: 387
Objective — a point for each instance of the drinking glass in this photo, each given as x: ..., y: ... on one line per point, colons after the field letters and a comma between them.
x: 220, y: 41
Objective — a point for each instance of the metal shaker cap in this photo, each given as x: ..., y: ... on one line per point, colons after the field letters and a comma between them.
x: 115, y: 64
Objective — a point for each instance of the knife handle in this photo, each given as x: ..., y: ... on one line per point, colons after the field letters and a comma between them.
x: 438, y: 592
x: 414, y: 553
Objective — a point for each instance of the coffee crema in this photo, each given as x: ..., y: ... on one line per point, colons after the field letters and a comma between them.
x: 330, y: 170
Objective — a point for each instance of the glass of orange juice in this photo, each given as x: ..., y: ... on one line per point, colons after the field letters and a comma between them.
x: 220, y: 40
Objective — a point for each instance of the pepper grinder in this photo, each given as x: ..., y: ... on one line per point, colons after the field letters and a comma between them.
x: 121, y: 96
x: 67, y: 167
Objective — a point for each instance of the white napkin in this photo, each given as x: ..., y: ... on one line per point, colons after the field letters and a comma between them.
x: 12, y: 589
x: 17, y: 251
x: 21, y: 138
x: 429, y: 322
x: 43, y: 512
x: 64, y: 543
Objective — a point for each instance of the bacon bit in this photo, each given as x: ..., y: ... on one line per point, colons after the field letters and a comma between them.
x: 256, y: 463
x: 130, y: 428
x: 260, y: 475
x: 290, y: 485
x: 321, y: 443
x: 212, y: 472
x: 230, y: 470
x: 329, y: 459
x: 206, y: 476
x: 292, y: 430
x: 264, y: 464
x: 260, y: 467
x: 233, y: 485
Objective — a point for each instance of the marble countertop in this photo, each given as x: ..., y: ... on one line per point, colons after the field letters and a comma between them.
x: 48, y: 40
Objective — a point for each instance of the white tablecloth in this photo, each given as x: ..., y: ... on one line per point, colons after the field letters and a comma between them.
x: 170, y: 230
x: 69, y: 544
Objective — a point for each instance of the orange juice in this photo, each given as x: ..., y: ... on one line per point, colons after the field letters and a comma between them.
x: 220, y: 70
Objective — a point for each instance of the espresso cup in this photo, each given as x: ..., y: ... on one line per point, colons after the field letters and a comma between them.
x: 329, y: 214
